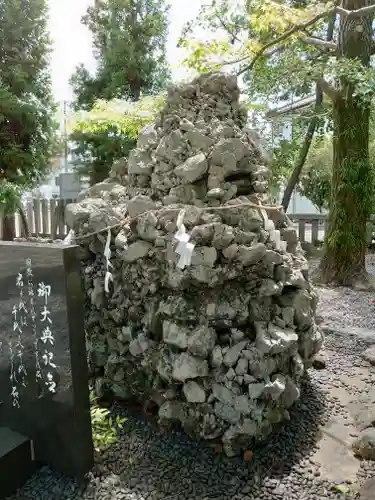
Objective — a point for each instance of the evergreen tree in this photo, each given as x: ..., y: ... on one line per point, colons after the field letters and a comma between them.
x: 129, y: 40
x: 26, y: 105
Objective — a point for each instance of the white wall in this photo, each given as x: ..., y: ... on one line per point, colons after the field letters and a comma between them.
x: 301, y: 205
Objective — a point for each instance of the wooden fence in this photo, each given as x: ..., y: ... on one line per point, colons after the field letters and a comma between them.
x: 312, y: 227
x: 46, y: 219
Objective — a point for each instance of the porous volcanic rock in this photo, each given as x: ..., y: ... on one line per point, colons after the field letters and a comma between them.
x: 221, y: 344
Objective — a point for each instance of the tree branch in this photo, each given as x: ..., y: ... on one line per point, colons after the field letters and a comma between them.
x: 285, y: 36
x: 269, y: 53
x: 364, y: 11
x: 322, y: 44
x: 303, y: 26
x: 327, y: 88
x: 233, y: 35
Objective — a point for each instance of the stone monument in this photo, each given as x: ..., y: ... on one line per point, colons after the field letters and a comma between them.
x: 44, y: 396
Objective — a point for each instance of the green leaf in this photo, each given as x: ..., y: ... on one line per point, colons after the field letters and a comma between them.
x: 341, y: 488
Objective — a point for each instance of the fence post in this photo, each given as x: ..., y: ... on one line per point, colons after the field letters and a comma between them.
x: 44, y: 224
x: 314, y: 231
x: 52, y: 211
x: 301, y: 230
x: 36, y: 205
x: 61, y: 218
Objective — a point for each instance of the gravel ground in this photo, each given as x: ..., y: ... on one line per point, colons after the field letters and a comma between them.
x: 147, y: 464
x: 346, y: 308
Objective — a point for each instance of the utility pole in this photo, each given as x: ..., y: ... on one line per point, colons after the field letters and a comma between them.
x: 65, y: 135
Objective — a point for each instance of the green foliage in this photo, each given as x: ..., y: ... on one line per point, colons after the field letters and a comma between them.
x: 26, y: 106
x: 288, y: 68
x: 108, y: 133
x: 346, y: 237
x: 9, y: 198
x: 315, y: 183
x: 129, y: 40
x: 104, y: 428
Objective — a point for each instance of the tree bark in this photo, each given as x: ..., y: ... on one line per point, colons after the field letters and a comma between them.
x: 25, y: 226
x: 343, y: 261
x: 9, y: 228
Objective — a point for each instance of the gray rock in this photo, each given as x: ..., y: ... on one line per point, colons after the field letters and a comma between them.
x: 139, y: 162
x: 170, y: 410
x: 94, y: 212
x: 226, y: 413
x: 140, y: 204
x: 175, y: 335
x: 192, y: 169
x: 222, y: 394
x: 233, y: 353
x: 290, y: 394
x: 228, y: 147
x: 135, y: 251
x: 276, y: 386
x: 256, y: 390
x: 242, y: 366
x: 147, y: 137
x: 364, y: 446
x: 202, y: 341
x: 242, y: 404
x: 216, y: 357
x: 366, y: 491
x: 193, y: 392
x: 187, y: 367
x: 249, y: 256
x: 369, y: 355
x: 204, y: 256
x: 139, y: 345
x: 199, y: 140
x: 363, y: 410
x: 121, y: 241
x: 320, y: 361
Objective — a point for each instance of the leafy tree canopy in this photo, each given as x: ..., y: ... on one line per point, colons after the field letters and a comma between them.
x: 129, y: 40
x: 26, y: 105
x: 108, y: 132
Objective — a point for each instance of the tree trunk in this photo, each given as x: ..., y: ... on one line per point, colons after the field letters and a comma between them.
x: 25, y: 226
x: 343, y: 262
x: 9, y: 228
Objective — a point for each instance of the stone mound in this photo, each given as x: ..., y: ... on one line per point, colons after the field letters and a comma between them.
x: 220, y: 343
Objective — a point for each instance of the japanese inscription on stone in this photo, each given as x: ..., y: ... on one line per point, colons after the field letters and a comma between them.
x: 25, y: 314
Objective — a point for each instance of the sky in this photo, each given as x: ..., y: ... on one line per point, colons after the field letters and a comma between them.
x: 72, y: 41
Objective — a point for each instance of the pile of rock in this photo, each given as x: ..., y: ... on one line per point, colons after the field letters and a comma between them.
x: 200, y: 150
x: 222, y: 343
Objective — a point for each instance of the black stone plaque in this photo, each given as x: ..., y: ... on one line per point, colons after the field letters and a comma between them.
x: 44, y: 391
